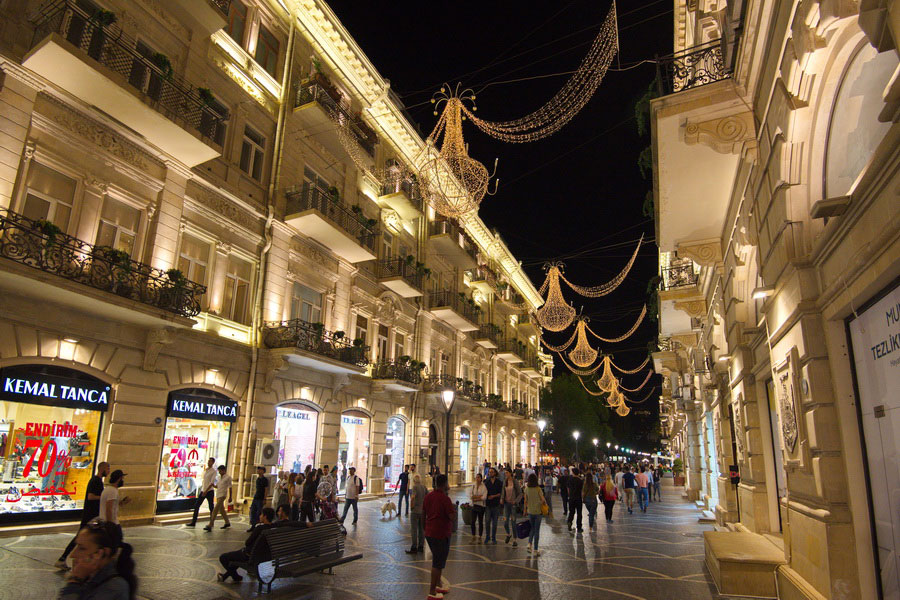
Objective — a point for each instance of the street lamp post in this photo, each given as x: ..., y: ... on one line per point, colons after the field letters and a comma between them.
x: 596, y: 441
x: 541, y: 425
x: 448, y: 396
x: 576, y: 435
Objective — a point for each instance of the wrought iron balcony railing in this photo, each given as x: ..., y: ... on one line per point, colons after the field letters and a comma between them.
x: 41, y: 245
x: 401, y: 371
x: 152, y: 76
x: 490, y: 332
x: 397, y: 267
x: 493, y: 402
x: 320, y: 90
x: 692, y: 68
x: 312, y: 337
x: 409, y: 188
x: 457, y: 303
x: 678, y: 276
x: 312, y: 197
x: 459, y: 235
x: 513, y: 346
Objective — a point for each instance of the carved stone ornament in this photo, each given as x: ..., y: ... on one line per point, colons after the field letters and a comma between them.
x: 315, y: 255
x: 789, y: 429
x: 387, y: 311
x: 707, y: 253
x: 694, y: 308
x: 725, y: 135
x: 221, y: 206
x: 156, y: 339
x: 273, y: 366
x: 391, y: 220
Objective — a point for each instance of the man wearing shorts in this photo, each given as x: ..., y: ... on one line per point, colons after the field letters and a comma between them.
x: 439, y: 515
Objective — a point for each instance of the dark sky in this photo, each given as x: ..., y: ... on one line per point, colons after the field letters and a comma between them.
x: 576, y: 196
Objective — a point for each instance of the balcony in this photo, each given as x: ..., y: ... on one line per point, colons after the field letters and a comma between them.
x: 488, y: 336
x: 531, y: 365
x: 450, y: 242
x: 310, y: 345
x: 404, y: 197
x: 101, y: 66
x: 401, y: 276
x: 528, y: 324
x: 492, y: 403
x: 317, y: 214
x: 678, y: 275
x: 397, y: 376
x: 692, y: 68
x: 318, y: 104
x: 516, y: 410
x: 454, y: 309
x: 211, y: 15
x: 509, y: 301
x: 41, y: 246
x: 483, y: 279
x: 512, y: 351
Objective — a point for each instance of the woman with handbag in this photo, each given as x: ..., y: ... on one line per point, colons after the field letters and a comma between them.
x: 589, y: 493
x: 535, y: 507
x: 479, y: 494
x: 610, y: 493
x: 510, y: 499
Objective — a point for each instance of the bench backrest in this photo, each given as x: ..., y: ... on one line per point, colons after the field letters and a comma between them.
x: 288, y: 545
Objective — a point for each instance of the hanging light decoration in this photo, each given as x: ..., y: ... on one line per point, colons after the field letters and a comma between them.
x: 630, y: 371
x: 453, y: 183
x: 602, y: 290
x: 582, y: 355
x: 607, y: 381
x: 555, y: 314
x: 623, y: 410
x: 625, y: 335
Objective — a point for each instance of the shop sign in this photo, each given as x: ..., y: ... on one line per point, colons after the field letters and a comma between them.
x: 188, y: 404
x: 352, y: 420
x: 290, y: 413
x: 28, y: 383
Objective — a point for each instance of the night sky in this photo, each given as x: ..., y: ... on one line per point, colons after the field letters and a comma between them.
x: 576, y: 196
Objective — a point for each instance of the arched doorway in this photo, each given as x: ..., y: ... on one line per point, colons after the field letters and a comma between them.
x: 394, y: 448
x: 433, y: 447
x: 296, y: 426
x: 353, y: 448
x: 464, y: 438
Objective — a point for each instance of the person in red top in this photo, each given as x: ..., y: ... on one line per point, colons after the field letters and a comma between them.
x: 439, y: 515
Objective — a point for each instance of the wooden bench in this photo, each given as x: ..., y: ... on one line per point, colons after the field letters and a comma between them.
x: 296, y: 551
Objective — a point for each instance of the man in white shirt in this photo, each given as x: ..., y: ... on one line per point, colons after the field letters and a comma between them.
x: 223, y: 493
x: 352, y: 495
x: 620, y: 482
x: 109, y: 499
x: 207, y: 490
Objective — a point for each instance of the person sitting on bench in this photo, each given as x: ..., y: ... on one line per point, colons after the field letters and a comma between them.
x: 243, y: 555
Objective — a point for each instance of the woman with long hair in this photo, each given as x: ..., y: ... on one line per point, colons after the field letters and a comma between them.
x: 534, y: 508
x: 609, y: 492
x: 479, y: 495
x: 589, y: 493
x: 308, y: 496
x: 511, y: 496
x: 289, y: 497
x: 102, y: 566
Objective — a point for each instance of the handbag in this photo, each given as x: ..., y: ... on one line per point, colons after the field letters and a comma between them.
x: 523, y: 528
x: 545, y: 509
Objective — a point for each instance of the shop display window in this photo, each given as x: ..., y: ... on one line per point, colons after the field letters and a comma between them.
x: 295, y: 428
x: 353, y: 447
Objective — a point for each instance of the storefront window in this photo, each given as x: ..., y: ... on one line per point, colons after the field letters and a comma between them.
x: 500, y: 437
x: 353, y: 449
x: 394, y: 443
x: 523, y: 456
x: 198, y: 427
x: 464, y: 437
x: 295, y: 428
x: 482, y: 436
x: 50, y: 421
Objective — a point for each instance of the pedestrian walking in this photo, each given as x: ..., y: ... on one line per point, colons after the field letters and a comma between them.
x: 259, y: 496
x: 620, y: 481
x: 564, y: 490
x: 643, y: 488
x: 417, y: 520
x: 512, y: 495
x: 308, y: 497
x: 207, y: 491
x: 102, y: 565
x: 492, y: 505
x: 548, y: 491
x: 110, y: 500
x: 479, y: 493
x: 291, y: 495
x: 610, y: 493
x: 589, y: 492
x: 575, y: 485
x: 657, y: 484
x: 630, y: 483
x: 223, y: 495
x: 231, y: 560
x: 278, y: 489
x: 351, y: 495
x: 403, y: 481
x: 440, y: 513
x: 90, y: 509
x: 535, y: 505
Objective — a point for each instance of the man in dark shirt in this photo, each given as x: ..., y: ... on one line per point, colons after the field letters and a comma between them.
x: 563, y: 483
x: 630, y: 485
x: 91, y: 509
x: 575, y: 484
x: 494, y: 488
x: 439, y: 515
x: 259, y: 498
x: 404, y: 490
x: 267, y: 516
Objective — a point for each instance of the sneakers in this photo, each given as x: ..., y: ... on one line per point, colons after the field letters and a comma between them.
x: 507, y: 539
x: 441, y: 590
x: 434, y: 596
x: 529, y: 548
x: 515, y: 544
x: 536, y: 553
x: 61, y: 564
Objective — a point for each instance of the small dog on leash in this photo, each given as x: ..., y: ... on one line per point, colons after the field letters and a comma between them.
x: 387, y: 508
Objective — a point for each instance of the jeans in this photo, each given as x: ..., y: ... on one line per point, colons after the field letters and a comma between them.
x: 347, y: 504
x: 657, y: 490
x: 608, y: 507
x: 591, y: 505
x: 493, y: 515
x: 404, y: 494
x: 535, y: 534
x: 417, y: 528
x: 565, y: 500
x: 209, y: 497
x: 509, y: 519
x: 255, y: 508
x: 478, y: 517
x: 574, y: 507
x: 643, y: 494
x: 548, y: 498
x: 228, y: 558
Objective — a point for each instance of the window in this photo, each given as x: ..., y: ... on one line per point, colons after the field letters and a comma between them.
x: 383, y: 343
x: 118, y: 225
x: 387, y: 245
x: 212, y: 121
x: 48, y: 195
x: 193, y: 259
x: 237, y: 291
x: 306, y: 304
x: 399, y: 345
x: 237, y: 21
x: 311, y: 179
x: 266, y: 50
x: 445, y: 364
x: 362, y: 328
x: 252, y: 153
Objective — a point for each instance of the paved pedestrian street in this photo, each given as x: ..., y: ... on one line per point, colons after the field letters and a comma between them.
x: 657, y: 555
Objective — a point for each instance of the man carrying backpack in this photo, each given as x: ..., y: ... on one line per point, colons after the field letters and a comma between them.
x: 354, y: 489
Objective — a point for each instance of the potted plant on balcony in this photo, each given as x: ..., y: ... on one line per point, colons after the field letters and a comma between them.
x: 173, y: 289
x: 162, y: 62
x: 338, y: 335
x: 117, y: 264
x: 678, y: 471
x: 404, y: 360
x: 205, y: 95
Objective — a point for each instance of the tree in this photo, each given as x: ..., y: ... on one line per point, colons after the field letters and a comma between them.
x: 572, y: 408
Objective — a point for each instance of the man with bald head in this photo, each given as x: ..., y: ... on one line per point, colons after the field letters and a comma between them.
x: 91, y: 508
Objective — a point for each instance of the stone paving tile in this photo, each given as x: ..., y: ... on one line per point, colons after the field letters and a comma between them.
x: 656, y: 555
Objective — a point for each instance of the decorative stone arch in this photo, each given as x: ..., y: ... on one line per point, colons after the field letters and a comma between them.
x: 55, y: 362
x: 205, y: 386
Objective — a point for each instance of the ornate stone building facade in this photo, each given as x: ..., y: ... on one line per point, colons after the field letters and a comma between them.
x: 776, y: 156
x: 211, y: 245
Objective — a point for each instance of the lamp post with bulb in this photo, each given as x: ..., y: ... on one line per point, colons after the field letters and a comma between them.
x: 576, y: 434
x: 448, y: 397
x: 542, y: 423
x: 596, y: 441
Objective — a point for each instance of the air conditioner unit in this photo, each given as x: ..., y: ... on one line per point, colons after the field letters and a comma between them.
x: 267, y: 452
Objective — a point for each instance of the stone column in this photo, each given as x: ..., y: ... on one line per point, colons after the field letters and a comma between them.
x: 692, y: 455
x: 166, y: 224
x: 216, y: 290
x: 275, y: 303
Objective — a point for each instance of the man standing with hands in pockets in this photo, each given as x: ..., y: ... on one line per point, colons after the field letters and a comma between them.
x: 223, y: 493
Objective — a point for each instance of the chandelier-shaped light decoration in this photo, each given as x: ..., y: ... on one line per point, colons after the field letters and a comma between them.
x: 623, y: 410
x: 576, y: 370
x: 607, y: 381
x: 573, y: 96
x: 453, y: 183
x: 625, y: 335
x: 555, y: 314
x: 582, y: 355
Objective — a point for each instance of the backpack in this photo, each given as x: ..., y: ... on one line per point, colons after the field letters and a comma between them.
x: 360, y: 484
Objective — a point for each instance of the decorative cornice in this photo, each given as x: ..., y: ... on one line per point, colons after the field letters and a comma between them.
x: 223, y: 207
x: 707, y: 253
x: 725, y: 135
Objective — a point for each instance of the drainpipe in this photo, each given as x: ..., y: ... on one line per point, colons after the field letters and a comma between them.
x: 261, y: 267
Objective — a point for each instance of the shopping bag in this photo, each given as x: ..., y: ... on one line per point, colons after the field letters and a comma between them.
x: 523, y: 528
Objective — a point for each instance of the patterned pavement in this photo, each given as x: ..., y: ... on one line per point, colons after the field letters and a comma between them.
x: 656, y: 555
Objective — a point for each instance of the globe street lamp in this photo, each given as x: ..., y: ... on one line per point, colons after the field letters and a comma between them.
x: 448, y: 396
x: 576, y: 435
x: 542, y: 423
